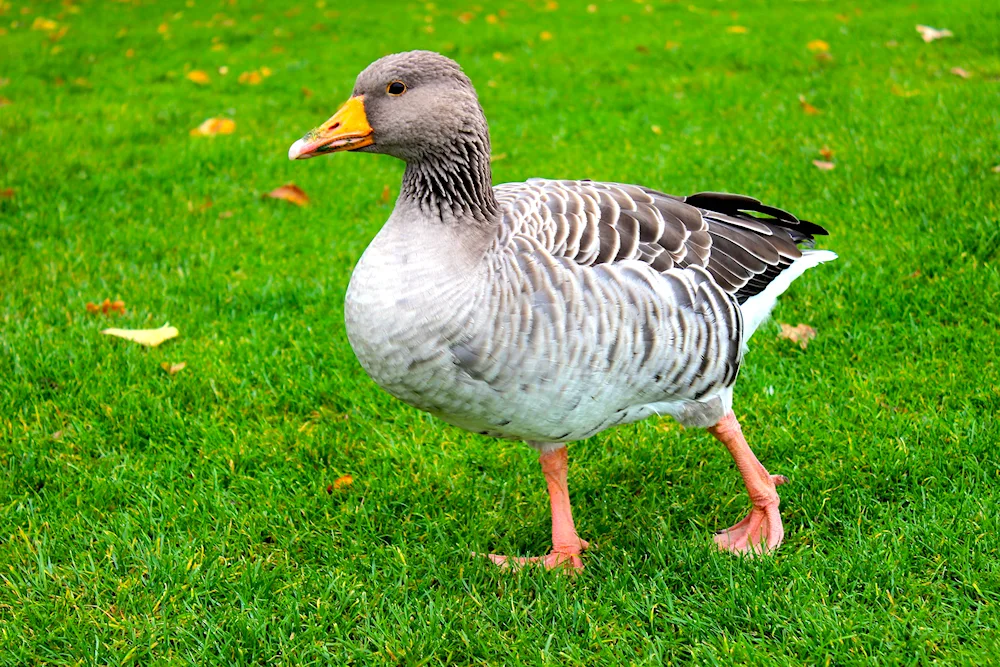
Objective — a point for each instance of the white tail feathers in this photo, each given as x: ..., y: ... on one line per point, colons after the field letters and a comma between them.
x: 757, y: 308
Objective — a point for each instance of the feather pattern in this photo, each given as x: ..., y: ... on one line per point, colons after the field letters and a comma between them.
x: 589, y: 305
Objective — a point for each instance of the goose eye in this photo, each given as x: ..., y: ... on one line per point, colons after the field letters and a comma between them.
x: 396, y: 88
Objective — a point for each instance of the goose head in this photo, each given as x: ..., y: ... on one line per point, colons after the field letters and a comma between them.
x: 411, y: 105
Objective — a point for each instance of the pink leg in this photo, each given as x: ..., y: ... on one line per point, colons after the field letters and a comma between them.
x: 566, y: 544
x: 761, y: 531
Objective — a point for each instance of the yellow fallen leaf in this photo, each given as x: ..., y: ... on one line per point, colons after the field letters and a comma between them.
x: 198, y: 76
x: 808, y: 108
x: 163, y: 28
x: 173, y: 369
x: 44, y: 24
x: 545, y: 35
x: 592, y: 9
x: 823, y: 165
x: 147, y: 337
x: 930, y: 34
x: 656, y: 129
x: 801, y: 334
x: 958, y: 71
x: 4, y: 101
x: 342, y: 482
x: 214, y: 126
x: 899, y: 91
x: 826, y: 153
x: 818, y: 45
x: 492, y: 19
x: 996, y: 169
x: 737, y: 30
x: 290, y: 193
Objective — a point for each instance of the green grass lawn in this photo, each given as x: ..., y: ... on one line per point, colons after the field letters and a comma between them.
x: 148, y: 518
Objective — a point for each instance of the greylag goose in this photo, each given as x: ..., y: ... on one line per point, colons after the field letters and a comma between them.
x: 549, y: 311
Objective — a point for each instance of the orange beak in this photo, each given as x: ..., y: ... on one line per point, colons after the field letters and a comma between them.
x: 346, y: 131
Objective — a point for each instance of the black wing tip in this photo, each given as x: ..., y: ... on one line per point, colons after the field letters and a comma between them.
x: 736, y: 205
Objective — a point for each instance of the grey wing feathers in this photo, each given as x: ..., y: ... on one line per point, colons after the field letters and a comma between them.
x: 598, y: 223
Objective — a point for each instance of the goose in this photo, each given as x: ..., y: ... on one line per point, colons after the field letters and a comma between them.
x: 550, y: 310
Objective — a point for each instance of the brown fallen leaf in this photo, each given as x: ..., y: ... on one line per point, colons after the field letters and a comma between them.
x: 56, y: 35
x: 214, y: 126
x: 198, y: 76
x: 198, y: 208
x: 929, y: 34
x: 342, y: 482
x: 386, y: 193
x: 958, y: 71
x: 147, y: 337
x: 818, y: 45
x: 801, y: 334
x: 737, y: 30
x: 290, y: 193
x: 173, y: 369
x: 824, y: 57
x: 225, y: 214
x: 823, y: 165
x: 826, y: 153
x: 808, y: 108
x: 306, y: 92
x: 4, y: 101
x: 251, y: 78
x: 7, y: 193
x: 107, y: 306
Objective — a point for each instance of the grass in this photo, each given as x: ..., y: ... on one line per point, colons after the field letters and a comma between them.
x: 150, y: 519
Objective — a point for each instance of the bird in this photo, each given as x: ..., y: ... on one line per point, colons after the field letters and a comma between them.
x: 548, y: 311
